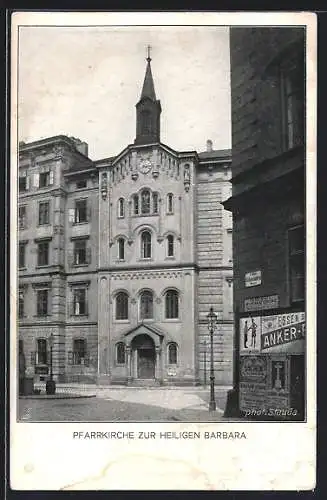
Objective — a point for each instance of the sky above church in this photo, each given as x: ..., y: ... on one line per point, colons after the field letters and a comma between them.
x: 85, y: 82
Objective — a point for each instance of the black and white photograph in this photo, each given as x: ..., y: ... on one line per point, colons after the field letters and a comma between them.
x: 161, y: 197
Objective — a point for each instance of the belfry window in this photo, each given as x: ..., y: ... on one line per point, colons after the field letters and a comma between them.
x: 145, y: 201
x: 155, y: 203
x: 135, y: 204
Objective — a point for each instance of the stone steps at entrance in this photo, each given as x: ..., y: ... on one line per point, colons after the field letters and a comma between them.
x: 144, y: 382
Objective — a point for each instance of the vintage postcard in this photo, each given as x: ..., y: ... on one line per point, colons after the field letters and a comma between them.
x: 163, y: 169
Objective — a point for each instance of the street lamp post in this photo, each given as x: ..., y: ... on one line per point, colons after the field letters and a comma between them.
x: 205, y: 364
x: 212, y: 320
x: 51, y: 384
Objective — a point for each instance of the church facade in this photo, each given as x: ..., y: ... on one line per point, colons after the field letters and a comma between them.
x: 120, y: 259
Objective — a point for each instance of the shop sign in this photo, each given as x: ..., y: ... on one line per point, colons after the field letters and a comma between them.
x: 252, y: 278
x: 283, y: 333
x: 277, y: 333
x: 261, y: 303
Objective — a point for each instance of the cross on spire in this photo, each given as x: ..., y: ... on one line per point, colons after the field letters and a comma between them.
x: 149, y: 53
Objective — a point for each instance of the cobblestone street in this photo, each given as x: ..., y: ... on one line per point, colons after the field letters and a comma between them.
x: 123, y: 404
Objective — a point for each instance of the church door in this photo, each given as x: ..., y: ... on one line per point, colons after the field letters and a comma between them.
x: 146, y: 363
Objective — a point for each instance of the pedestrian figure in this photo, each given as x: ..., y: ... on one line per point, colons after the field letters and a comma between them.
x: 245, y: 332
x: 253, y: 327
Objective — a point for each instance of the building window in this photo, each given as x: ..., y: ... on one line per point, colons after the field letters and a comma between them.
x: 21, y: 303
x: 296, y: 243
x: 80, y: 256
x: 82, y: 183
x: 45, y: 179
x: 120, y: 353
x: 44, y: 213
x: 79, y: 351
x: 42, y: 304
x: 155, y: 199
x: 79, y: 302
x: 121, y: 208
x: 22, y: 217
x: 170, y: 245
x: 41, y: 352
x: 121, y: 249
x: 43, y: 253
x: 135, y: 204
x: 146, y: 305
x: 292, y: 84
x: 170, y: 203
x: 145, y: 202
x: 171, y: 304
x: 122, y: 306
x: 172, y: 354
x: 80, y: 211
x: 23, y: 183
x: 21, y: 256
x: 146, y: 245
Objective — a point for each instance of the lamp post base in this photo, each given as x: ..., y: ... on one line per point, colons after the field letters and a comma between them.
x: 50, y: 387
x: 212, y: 406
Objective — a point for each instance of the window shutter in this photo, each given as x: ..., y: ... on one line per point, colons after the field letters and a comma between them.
x: 36, y: 180
x: 88, y: 255
x: 27, y: 182
x: 70, y: 357
x: 51, y: 177
x: 71, y: 215
x: 33, y: 358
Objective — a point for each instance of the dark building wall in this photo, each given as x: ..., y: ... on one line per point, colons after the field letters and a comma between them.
x: 268, y: 169
x: 257, y: 55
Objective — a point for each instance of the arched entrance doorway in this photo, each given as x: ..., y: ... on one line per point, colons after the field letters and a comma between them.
x: 144, y: 357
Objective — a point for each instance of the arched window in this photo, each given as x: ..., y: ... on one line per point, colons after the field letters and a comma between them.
x: 136, y: 204
x: 120, y: 353
x: 146, y: 305
x: 172, y: 354
x: 122, y: 305
x: 170, y: 245
x: 145, y: 201
x: 121, y: 249
x: 121, y: 208
x: 155, y: 203
x: 146, y: 245
x: 170, y: 203
x: 171, y: 303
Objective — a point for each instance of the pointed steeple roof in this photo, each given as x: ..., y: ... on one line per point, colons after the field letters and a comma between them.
x: 148, y: 85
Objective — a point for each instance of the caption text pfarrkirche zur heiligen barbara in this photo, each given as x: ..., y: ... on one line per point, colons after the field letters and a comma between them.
x: 130, y: 435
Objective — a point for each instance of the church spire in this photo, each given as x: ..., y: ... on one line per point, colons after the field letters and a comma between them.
x: 148, y: 85
x: 148, y: 110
